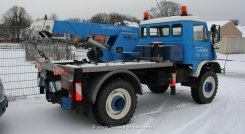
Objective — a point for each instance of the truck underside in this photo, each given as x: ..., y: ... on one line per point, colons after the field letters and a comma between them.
x: 60, y: 82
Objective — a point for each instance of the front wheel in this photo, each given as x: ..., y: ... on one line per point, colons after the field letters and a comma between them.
x: 207, y: 88
x: 115, y: 103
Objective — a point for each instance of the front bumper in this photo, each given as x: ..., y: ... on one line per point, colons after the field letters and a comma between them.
x: 3, y: 104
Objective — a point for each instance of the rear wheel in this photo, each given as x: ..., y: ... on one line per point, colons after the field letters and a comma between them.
x: 158, y: 89
x: 115, y: 103
x: 207, y: 88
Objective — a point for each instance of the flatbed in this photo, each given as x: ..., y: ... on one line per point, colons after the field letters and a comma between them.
x: 111, y: 66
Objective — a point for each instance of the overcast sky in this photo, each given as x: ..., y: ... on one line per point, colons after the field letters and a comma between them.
x: 207, y: 9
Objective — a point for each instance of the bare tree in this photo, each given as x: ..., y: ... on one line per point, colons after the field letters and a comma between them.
x: 102, y: 18
x: 164, y: 9
x: 53, y: 16
x: 235, y: 22
x: 112, y: 18
x: 74, y: 19
x: 3, y: 31
x: 16, y: 19
x: 116, y: 17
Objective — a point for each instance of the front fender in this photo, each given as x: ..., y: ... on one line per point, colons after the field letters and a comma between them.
x: 215, y: 65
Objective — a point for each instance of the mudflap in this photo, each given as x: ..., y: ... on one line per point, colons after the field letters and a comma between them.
x: 87, y: 108
x: 65, y: 103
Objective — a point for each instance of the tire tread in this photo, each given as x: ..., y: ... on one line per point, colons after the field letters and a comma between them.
x: 196, y: 93
x: 98, y: 107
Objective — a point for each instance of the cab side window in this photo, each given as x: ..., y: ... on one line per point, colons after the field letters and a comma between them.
x: 199, y: 33
x: 166, y: 31
x: 159, y: 31
x: 177, y: 30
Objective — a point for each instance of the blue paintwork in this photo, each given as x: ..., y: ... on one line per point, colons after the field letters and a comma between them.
x: 126, y: 40
x: 194, y: 52
x: 65, y: 103
x: 83, y: 29
x: 126, y: 37
x: 118, y: 103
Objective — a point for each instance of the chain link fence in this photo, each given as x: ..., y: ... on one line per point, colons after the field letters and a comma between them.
x: 17, y: 69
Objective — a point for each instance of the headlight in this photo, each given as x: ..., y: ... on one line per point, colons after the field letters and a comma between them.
x: 1, y: 90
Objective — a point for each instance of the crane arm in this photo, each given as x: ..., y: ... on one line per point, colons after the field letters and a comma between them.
x: 80, y: 29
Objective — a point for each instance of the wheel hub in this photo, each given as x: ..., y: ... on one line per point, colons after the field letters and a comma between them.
x: 208, y: 86
x: 118, y: 103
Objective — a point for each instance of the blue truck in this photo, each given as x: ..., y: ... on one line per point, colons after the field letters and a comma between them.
x: 159, y: 53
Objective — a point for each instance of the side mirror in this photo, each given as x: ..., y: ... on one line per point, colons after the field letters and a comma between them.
x: 215, y: 33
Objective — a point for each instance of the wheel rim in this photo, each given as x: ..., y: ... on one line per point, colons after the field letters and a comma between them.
x: 118, y: 103
x: 209, y: 87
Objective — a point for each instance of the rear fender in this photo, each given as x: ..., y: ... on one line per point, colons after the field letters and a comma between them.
x: 98, y: 82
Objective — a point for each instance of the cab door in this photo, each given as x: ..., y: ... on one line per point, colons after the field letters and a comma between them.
x: 202, y: 45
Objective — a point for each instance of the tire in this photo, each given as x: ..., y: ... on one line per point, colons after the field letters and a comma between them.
x: 158, y: 89
x: 207, y: 88
x: 115, y: 103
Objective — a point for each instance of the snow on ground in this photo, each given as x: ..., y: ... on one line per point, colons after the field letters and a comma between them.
x: 158, y: 114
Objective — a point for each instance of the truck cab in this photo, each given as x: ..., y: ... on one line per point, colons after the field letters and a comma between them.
x: 188, y: 33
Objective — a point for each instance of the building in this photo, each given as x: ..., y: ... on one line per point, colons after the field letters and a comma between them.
x: 242, y: 29
x: 232, y: 37
x: 227, y: 28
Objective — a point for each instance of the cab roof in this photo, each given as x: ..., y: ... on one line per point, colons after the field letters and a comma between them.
x: 172, y: 19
